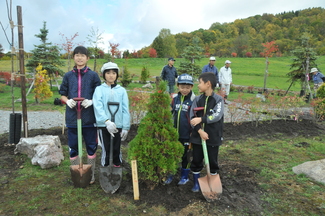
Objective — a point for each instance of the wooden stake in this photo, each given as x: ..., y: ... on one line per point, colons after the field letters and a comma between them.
x: 135, y: 180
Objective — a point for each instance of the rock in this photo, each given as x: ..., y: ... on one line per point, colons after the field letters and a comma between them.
x: 313, y: 169
x: 262, y: 97
x: 44, y: 150
x: 148, y: 85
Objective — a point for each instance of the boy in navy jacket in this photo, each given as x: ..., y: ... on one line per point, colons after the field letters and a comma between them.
x: 181, y: 105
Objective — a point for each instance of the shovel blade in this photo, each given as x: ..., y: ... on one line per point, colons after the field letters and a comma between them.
x: 211, y: 187
x: 110, y: 178
x: 80, y: 176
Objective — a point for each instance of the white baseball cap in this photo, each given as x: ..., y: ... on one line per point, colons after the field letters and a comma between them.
x: 212, y: 58
x: 227, y: 62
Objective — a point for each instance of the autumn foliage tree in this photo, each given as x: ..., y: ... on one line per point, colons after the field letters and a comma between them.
x: 269, y: 49
x: 114, y: 50
x: 67, y: 45
x: 152, y: 53
x: 42, y: 89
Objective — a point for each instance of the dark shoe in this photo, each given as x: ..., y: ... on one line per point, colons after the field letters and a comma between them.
x: 196, y: 187
x: 184, y: 177
x: 169, y: 179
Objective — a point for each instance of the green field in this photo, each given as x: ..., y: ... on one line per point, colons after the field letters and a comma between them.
x: 246, y: 71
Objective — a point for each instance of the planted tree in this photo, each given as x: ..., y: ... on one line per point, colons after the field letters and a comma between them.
x: 67, y: 45
x: 42, y: 90
x: 192, y: 53
x: 46, y: 54
x: 269, y: 49
x: 156, y: 147
x: 305, y: 58
x: 114, y: 50
x: 144, y: 74
x: 95, y: 38
x: 126, y: 77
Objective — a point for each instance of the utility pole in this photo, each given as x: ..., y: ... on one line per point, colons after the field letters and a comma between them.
x: 22, y: 69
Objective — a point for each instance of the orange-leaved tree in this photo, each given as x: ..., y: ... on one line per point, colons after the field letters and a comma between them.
x: 269, y: 49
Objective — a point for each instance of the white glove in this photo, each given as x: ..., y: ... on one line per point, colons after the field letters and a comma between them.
x: 71, y: 103
x: 124, y: 135
x: 86, y: 103
x: 111, y: 127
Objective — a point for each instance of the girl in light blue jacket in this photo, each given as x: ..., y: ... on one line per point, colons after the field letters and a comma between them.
x: 110, y: 91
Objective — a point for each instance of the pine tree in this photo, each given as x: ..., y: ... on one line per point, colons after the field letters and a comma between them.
x: 304, y: 60
x: 156, y: 147
x: 46, y: 54
x: 144, y: 74
x: 192, y: 53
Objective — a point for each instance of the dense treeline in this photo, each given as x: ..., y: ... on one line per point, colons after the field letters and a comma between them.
x: 244, y: 37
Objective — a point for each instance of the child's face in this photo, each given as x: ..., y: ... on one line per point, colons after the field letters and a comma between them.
x: 80, y: 60
x: 184, y: 89
x: 110, y: 77
x: 203, y: 87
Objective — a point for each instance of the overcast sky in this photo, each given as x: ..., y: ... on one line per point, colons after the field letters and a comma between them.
x: 131, y: 23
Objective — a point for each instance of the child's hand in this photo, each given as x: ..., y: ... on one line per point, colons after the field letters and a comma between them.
x: 196, y: 121
x: 203, y: 135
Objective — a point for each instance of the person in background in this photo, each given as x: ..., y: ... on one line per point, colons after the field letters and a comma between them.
x: 211, y: 68
x: 110, y: 91
x: 169, y: 73
x: 318, y: 78
x: 225, y: 79
x: 207, y: 125
x: 181, y: 104
x: 81, y: 82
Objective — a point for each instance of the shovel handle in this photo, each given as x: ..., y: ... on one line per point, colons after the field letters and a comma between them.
x: 78, y: 98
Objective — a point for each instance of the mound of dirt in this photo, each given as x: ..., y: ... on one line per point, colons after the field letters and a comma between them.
x: 240, y: 188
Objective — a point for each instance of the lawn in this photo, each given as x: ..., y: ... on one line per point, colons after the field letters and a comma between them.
x: 246, y: 71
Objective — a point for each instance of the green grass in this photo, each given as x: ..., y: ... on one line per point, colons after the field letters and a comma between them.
x: 246, y: 71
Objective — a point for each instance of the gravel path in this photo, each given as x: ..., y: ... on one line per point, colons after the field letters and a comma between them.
x: 46, y: 119
x: 36, y: 120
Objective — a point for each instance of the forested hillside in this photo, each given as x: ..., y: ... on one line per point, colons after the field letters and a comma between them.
x: 244, y: 36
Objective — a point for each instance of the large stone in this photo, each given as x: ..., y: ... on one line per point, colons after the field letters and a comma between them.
x: 44, y: 150
x: 313, y: 169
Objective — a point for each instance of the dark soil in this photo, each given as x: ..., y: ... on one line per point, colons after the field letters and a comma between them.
x: 240, y: 188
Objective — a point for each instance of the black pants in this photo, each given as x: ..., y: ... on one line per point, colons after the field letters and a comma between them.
x: 198, y: 158
x: 184, y: 157
x: 105, y: 139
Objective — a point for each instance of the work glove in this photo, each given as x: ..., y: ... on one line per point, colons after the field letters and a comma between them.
x: 71, y: 103
x: 86, y: 103
x: 124, y: 135
x: 111, y: 127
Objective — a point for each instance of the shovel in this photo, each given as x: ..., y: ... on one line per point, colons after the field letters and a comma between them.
x: 110, y: 177
x: 210, y: 185
x: 80, y: 174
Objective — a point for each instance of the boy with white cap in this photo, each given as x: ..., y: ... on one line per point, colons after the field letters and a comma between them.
x: 225, y: 79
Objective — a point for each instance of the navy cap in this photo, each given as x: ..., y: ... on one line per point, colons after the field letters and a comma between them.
x: 171, y: 58
x: 185, y: 79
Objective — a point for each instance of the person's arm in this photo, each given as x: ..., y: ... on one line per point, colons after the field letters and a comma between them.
x: 204, y: 69
x: 230, y: 75
x: 99, y: 108
x: 162, y: 75
x: 218, y: 111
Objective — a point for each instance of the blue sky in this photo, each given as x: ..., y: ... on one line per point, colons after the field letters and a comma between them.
x: 131, y: 23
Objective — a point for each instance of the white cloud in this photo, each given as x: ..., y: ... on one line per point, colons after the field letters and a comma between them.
x: 133, y: 23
